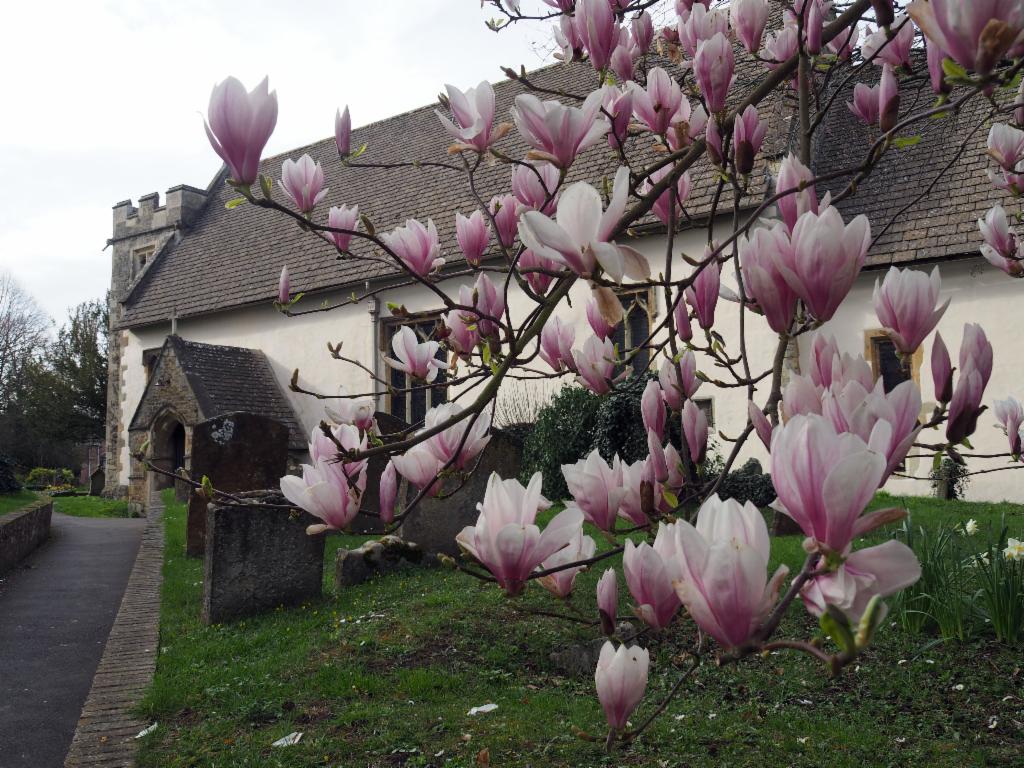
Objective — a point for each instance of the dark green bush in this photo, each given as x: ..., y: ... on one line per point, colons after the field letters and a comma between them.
x: 8, y: 482
x: 619, y: 427
x: 748, y: 483
x: 563, y: 433
x: 41, y: 477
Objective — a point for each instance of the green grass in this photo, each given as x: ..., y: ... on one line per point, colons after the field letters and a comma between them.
x: 91, y: 506
x: 11, y: 502
x: 385, y: 673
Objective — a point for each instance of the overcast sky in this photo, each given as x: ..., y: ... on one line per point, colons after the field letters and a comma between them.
x: 105, y: 101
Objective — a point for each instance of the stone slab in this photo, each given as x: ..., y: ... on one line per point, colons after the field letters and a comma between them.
x: 258, y: 558
x: 238, y: 452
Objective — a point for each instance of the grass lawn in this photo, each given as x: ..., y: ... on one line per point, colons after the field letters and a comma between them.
x: 385, y: 673
x: 11, y: 502
x: 90, y: 506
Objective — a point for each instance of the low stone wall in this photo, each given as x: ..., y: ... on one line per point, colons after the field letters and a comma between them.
x: 22, y: 531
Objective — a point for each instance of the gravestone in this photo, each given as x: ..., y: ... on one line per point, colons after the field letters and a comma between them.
x: 97, y: 481
x: 238, y: 452
x: 259, y: 557
x: 435, y: 523
x: 391, y: 429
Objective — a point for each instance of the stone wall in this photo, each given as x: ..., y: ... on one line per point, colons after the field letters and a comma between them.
x: 22, y: 531
x: 138, y: 232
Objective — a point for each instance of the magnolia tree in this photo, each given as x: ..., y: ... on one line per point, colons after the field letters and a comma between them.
x: 662, y: 99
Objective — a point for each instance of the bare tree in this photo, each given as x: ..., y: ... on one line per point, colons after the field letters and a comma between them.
x: 24, y: 328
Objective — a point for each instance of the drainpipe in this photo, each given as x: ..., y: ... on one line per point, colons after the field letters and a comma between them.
x: 375, y: 352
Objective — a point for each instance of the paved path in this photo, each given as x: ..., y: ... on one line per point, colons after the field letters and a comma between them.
x: 56, y: 611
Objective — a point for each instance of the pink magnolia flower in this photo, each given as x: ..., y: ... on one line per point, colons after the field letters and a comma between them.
x: 977, y: 34
x: 659, y: 105
x: 388, y: 492
x: 1006, y: 145
x: 975, y: 370
x: 882, y: 570
x: 417, y: 359
x: 643, y: 31
x: 748, y: 135
x: 892, y: 49
x: 619, y: 106
x: 323, y: 448
x: 723, y: 570
x: 748, y: 18
x: 650, y: 584
x: 556, y: 340
x: 489, y: 302
x: 678, y: 381
x: 608, y: 600
x: 825, y: 259
x: 460, y: 444
x: 713, y: 67
x: 505, y: 209
x: 936, y: 73
x: 1010, y: 415
x: 845, y: 43
x: 420, y: 467
x: 633, y: 506
x: 416, y: 246
x: 602, y: 328
x: 284, y: 287
x: 905, y: 303
x: 865, y: 103
x: 530, y: 265
x: 463, y: 330
x: 888, y: 100
x: 829, y: 368
x: 357, y: 412
x: 323, y: 492
x: 579, y: 236
x: 239, y: 126
x: 568, y: 38
x: 794, y: 175
x: 473, y: 111
x: 621, y: 679
x: 1001, y: 246
x: 535, y: 186
x: 760, y: 422
x: 942, y: 370
x: 762, y: 280
x: 595, y: 364
x: 624, y: 57
x: 824, y: 479
x: 800, y: 397
x: 713, y: 141
x: 560, y: 583
x: 507, y: 541
x: 304, y: 182
x: 652, y: 410
x: 596, y: 488
x: 681, y: 319
x: 558, y: 133
x: 598, y: 29
x: 695, y: 431
x: 700, y: 25
x: 343, y: 217
x: 780, y: 46
x: 663, y: 205
x: 813, y: 24
x: 473, y: 236
x: 343, y: 132
x: 976, y: 352
x: 657, y: 461
x: 702, y: 294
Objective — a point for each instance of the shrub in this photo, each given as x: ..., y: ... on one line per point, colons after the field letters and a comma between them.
x: 563, y: 433
x: 8, y: 481
x: 619, y: 427
x: 41, y: 477
x: 748, y: 483
x: 949, y: 480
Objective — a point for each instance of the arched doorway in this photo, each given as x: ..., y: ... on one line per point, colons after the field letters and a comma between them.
x: 167, y: 440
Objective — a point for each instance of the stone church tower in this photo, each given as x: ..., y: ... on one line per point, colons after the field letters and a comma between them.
x: 140, y: 235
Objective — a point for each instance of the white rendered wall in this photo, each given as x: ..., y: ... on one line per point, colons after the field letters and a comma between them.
x: 980, y: 294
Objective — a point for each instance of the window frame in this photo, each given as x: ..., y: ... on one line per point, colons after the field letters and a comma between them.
x: 871, y: 354
x: 388, y: 327
x: 649, y: 297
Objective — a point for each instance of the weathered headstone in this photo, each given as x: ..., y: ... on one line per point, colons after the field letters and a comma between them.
x: 435, y: 523
x: 97, y: 481
x: 238, y: 452
x: 390, y: 429
x: 389, y: 554
x: 259, y: 557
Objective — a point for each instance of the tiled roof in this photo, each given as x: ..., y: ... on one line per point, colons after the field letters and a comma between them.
x: 943, y: 223
x: 235, y: 379
x: 232, y: 258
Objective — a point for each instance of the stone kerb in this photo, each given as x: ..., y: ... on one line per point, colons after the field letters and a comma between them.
x: 22, y: 531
